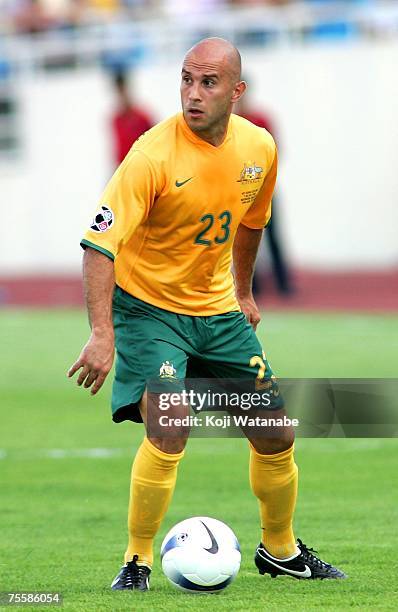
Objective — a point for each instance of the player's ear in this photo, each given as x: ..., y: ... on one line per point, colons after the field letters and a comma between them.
x: 239, y: 90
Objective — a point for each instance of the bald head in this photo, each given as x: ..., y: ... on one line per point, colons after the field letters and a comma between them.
x: 210, y: 85
x: 217, y: 51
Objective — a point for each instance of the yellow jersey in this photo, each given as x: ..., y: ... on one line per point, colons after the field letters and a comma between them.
x: 169, y: 214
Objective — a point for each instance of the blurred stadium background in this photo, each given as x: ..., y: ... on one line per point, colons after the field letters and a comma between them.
x: 325, y: 71
x: 327, y: 74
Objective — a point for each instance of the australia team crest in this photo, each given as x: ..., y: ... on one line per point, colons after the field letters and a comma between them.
x: 250, y: 172
x: 167, y: 370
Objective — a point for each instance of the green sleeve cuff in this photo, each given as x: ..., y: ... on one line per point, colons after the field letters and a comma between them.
x: 86, y: 243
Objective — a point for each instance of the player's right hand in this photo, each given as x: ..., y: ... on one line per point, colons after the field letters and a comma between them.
x: 95, y: 361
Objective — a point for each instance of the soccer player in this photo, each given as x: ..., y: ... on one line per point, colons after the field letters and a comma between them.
x: 191, y: 198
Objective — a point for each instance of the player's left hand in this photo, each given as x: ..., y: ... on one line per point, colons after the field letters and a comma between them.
x: 250, y: 310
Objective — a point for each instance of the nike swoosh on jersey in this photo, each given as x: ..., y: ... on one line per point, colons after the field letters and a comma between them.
x: 214, y: 546
x: 181, y: 183
x: 304, y: 574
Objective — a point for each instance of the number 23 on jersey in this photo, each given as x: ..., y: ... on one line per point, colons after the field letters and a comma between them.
x: 219, y: 234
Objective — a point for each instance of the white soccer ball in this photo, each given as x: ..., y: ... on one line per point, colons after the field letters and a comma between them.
x: 200, y: 555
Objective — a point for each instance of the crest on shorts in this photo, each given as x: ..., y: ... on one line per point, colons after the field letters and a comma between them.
x: 167, y: 370
x: 103, y: 220
x: 250, y: 172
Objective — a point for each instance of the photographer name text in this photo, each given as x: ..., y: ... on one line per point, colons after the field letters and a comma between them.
x: 226, y: 421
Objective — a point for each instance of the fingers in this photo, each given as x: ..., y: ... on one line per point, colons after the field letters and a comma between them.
x: 95, y: 362
x: 98, y: 382
x: 76, y: 366
x: 92, y: 377
x: 251, y: 313
x: 89, y: 376
x: 254, y: 319
x: 83, y: 375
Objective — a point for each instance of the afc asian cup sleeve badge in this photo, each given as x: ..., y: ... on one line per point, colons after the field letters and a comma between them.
x: 103, y: 220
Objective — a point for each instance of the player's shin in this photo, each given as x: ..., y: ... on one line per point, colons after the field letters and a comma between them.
x: 274, y: 480
x: 153, y: 479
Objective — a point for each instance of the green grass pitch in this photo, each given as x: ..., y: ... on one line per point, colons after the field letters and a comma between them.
x: 64, y: 474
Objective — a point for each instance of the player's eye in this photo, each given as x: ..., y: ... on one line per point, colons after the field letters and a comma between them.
x: 208, y: 82
x: 186, y: 79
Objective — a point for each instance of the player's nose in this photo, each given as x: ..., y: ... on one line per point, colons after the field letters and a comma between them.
x: 194, y: 93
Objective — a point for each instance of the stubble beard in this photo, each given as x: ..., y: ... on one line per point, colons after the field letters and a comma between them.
x: 212, y: 126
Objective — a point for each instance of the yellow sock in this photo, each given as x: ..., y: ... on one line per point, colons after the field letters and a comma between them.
x: 153, y: 479
x: 274, y: 480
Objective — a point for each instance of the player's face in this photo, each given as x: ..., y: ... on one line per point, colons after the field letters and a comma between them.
x: 207, y: 95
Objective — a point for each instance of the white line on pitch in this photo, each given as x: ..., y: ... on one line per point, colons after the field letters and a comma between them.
x: 199, y: 447
x: 66, y: 453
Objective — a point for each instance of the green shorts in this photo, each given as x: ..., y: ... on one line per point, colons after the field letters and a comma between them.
x: 153, y: 343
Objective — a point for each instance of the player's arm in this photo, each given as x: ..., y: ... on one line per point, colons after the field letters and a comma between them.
x: 96, y: 358
x: 245, y: 249
x: 248, y: 238
x: 125, y: 205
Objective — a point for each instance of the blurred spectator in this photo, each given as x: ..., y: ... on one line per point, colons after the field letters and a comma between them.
x: 278, y: 261
x: 129, y: 120
x: 36, y: 16
x: 32, y: 17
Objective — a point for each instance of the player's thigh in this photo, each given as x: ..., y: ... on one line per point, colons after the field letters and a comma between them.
x: 235, y: 353
x: 149, y: 352
x: 234, y: 350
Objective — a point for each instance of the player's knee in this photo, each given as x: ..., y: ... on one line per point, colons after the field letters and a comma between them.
x: 171, y: 446
x: 270, y: 446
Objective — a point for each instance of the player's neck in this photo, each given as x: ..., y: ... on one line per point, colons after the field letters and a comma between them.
x: 215, y: 135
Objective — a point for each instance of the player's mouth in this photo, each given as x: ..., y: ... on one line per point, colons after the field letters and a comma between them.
x: 195, y: 113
